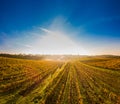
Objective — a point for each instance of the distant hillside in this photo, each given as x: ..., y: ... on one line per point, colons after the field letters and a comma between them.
x: 23, y: 56
x: 54, y: 57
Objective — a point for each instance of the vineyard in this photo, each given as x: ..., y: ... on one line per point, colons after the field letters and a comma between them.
x: 112, y: 63
x: 74, y: 81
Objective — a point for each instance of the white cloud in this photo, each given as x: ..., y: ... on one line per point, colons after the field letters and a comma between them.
x: 55, y: 42
x: 45, y: 30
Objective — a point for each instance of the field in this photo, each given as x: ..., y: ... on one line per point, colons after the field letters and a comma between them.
x: 66, y: 80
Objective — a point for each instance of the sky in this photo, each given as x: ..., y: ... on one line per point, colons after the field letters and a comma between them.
x: 85, y: 27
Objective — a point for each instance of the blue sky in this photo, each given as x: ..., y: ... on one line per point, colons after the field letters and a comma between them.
x: 94, y: 25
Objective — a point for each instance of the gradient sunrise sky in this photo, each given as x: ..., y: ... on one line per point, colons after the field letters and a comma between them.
x: 89, y: 27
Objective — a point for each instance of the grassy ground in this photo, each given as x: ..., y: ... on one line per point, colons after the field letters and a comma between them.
x: 77, y: 81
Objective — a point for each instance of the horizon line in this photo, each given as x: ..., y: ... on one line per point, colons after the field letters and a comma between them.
x: 59, y: 54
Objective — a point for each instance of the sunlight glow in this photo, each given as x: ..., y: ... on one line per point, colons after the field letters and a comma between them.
x: 55, y: 42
